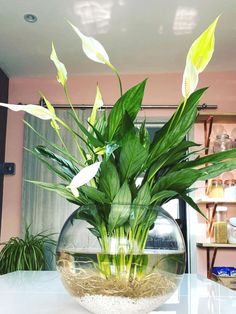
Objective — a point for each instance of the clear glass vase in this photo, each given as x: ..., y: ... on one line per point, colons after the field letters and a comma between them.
x: 132, y: 269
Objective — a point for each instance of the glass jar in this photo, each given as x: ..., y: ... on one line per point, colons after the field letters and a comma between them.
x: 216, y: 189
x: 220, y: 225
x: 222, y: 143
x: 232, y: 230
x: 230, y: 189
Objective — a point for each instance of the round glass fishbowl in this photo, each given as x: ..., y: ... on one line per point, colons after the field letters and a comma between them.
x: 113, y: 267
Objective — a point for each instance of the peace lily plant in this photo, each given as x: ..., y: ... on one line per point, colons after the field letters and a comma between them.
x: 115, y: 152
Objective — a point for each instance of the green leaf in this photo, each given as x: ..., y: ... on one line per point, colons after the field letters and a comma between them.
x: 140, y: 204
x: 212, y: 158
x: 94, y: 194
x: 59, y: 189
x: 61, y: 70
x: 175, y: 130
x: 127, y: 126
x: 99, y: 136
x: 216, y: 169
x: 101, y: 124
x: 144, y: 135
x: 90, y: 214
x: 109, y: 181
x: 62, y: 174
x: 131, y: 102
x: 66, y: 165
x: 95, y: 232
x: 132, y: 157
x: 177, y: 181
x: 120, y: 208
x: 171, y: 157
x: 190, y: 201
x: 58, y: 148
x: 144, y: 195
x: 93, y: 140
x: 162, y: 196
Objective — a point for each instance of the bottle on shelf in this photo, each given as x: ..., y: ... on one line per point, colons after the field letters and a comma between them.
x: 220, y: 225
x: 232, y: 230
x: 230, y: 190
x: 222, y: 142
x: 215, y: 189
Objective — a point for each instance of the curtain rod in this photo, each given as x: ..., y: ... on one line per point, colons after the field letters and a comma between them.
x: 204, y: 106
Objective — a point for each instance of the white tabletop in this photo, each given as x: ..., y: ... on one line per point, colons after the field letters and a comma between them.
x: 43, y: 293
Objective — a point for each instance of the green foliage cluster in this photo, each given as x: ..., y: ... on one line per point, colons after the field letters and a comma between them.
x: 128, y: 154
x: 27, y: 253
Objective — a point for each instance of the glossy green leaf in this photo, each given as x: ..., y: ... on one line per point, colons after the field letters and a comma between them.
x: 90, y: 214
x: 94, y: 194
x: 144, y: 135
x: 177, y: 181
x: 190, y: 201
x: 171, y: 157
x: 92, y: 139
x: 120, y: 208
x: 216, y: 169
x: 212, y: 158
x: 63, y: 174
x: 140, y: 205
x: 175, y: 130
x: 67, y: 165
x: 163, y: 196
x: 132, y: 158
x: 131, y: 102
x: 144, y: 195
x: 109, y: 181
x: 59, y: 189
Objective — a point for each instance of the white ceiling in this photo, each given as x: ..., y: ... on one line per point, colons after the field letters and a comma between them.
x: 139, y: 36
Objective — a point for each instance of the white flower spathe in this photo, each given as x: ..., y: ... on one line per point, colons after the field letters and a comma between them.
x: 190, y: 79
x: 93, y: 49
x: 34, y: 110
x: 198, y: 57
x: 83, y: 177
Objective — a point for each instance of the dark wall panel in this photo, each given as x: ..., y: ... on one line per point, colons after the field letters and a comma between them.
x: 4, y: 84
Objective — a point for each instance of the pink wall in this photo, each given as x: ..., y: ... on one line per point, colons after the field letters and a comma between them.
x: 161, y: 89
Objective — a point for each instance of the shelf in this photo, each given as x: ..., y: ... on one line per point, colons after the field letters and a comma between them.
x: 216, y: 245
x: 208, y: 200
x: 210, y: 258
x: 219, y: 117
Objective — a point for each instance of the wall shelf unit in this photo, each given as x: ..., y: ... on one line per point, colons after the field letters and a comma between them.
x: 211, y: 257
x: 218, y: 117
x: 205, y: 201
x: 208, y: 119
